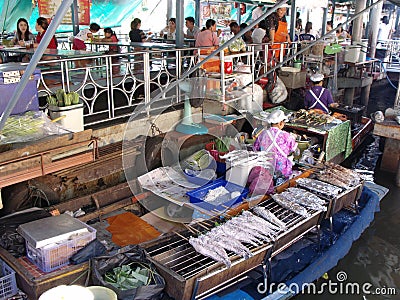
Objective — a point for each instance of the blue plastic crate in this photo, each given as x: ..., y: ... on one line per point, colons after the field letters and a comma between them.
x: 8, y: 284
x: 197, y: 196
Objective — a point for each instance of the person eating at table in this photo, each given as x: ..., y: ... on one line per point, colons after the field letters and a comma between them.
x: 319, y: 97
x: 110, y: 36
x: 23, y: 34
x: 24, y: 38
x: 41, y: 26
x: 192, y: 30
x: 83, y: 36
x: 278, y: 141
x: 169, y: 30
x: 136, y: 34
x: 207, y: 37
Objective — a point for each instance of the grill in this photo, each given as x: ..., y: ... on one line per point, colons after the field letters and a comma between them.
x: 190, y: 275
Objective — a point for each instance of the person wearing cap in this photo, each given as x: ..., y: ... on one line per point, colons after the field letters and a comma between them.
x: 274, y: 139
x: 318, y: 97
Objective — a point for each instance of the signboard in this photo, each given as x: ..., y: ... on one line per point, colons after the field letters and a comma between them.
x: 48, y: 8
x: 220, y: 12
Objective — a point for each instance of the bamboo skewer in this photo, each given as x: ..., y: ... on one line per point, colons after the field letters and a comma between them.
x: 180, y: 235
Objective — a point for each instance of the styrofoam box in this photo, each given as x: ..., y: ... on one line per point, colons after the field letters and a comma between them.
x: 239, y: 174
x: 54, y: 256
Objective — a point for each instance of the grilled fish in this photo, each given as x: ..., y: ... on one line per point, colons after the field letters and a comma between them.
x: 252, y: 216
x: 230, y: 244
x: 235, y: 234
x: 319, y: 187
x: 305, y: 201
x: 290, y: 205
x: 269, y: 216
x: 215, y: 252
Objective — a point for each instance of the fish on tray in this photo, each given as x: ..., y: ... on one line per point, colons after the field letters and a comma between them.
x: 269, y: 216
x: 215, y: 252
x: 290, y: 205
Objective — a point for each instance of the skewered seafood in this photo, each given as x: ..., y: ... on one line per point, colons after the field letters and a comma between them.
x: 305, y: 201
x: 227, y: 243
x: 350, y: 174
x: 269, y: 216
x: 236, y: 234
x: 319, y: 187
x: 311, y: 117
x: 249, y: 216
x: 288, y: 204
x: 215, y: 252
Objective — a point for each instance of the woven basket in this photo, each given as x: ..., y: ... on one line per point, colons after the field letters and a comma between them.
x: 318, y: 49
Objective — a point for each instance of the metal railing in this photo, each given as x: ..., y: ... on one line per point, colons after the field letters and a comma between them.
x: 113, y: 86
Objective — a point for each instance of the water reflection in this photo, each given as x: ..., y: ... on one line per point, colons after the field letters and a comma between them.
x: 374, y: 258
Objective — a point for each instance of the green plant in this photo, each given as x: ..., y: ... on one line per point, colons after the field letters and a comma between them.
x: 61, y: 98
x: 222, y: 144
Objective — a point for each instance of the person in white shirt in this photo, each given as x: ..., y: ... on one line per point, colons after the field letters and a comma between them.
x: 385, y: 30
x: 258, y: 34
x: 257, y: 12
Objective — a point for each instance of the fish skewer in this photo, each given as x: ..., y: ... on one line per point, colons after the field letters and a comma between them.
x: 269, y: 216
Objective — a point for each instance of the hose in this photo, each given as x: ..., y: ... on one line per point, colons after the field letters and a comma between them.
x: 387, y: 77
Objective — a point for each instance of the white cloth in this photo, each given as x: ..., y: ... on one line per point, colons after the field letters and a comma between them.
x: 256, y: 13
x: 83, y: 35
x: 257, y: 36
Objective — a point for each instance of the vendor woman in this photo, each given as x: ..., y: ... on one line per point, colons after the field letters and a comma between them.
x: 278, y: 141
x: 318, y: 97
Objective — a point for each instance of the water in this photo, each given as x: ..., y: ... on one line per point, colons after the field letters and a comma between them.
x: 375, y: 257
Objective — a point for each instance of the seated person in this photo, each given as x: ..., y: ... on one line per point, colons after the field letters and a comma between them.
x: 110, y: 36
x: 280, y: 142
x: 192, y: 30
x: 23, y: 34
x: 247, y: 37
x: 136, y: 34
x: 41, y: 26
x: 318, y: 97
x: 307, y: 35
x: 169, y: 30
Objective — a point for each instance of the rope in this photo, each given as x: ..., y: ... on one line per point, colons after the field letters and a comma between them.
x: 36, y: 195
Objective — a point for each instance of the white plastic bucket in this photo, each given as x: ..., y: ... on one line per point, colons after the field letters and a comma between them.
x: 352, y: 54
x: 363, y: 50
x: 102, y: 293
x: 73, y: 119
x: 68, y: 292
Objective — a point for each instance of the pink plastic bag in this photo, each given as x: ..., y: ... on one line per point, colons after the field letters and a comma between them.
x: 261, y: 181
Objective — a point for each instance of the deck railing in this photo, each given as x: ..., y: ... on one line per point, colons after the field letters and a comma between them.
x: 113, y: 86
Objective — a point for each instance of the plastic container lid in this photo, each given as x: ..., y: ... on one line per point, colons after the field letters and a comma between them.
x: 68, y: 292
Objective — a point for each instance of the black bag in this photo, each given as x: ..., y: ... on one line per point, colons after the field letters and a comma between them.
x: 93, y: 249
x: 132, y: 253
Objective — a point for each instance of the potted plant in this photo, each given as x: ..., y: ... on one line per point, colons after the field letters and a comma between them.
x: 67, y: 108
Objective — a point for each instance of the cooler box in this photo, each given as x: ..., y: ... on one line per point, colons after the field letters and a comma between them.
x: 293, y: 78
x: 10, y: 75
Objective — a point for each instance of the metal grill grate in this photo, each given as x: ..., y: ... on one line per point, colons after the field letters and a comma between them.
x: 181, y: 258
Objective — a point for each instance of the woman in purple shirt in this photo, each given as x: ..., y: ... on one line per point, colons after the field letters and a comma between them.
x: 318, y: 97
x: 281, y: 143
